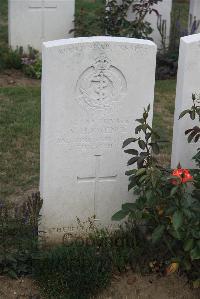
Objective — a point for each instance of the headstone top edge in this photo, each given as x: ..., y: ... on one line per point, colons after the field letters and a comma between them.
x: 191, y: 38
x: 78, y: 40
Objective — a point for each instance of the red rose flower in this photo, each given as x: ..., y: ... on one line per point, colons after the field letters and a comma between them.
x: 183, y: 174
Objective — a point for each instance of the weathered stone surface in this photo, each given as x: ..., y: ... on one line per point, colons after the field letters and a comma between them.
x: 92, y: 91
x: 164, y: 9
x: 32, y: 22
x: 194, y: 17
x: 188, y: 82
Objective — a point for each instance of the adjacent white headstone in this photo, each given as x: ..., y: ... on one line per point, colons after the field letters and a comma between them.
x: 163, y: 21
x: 188, y: 82
x: 92, y: 91
x: 194, y: 17
x: 33, y: 21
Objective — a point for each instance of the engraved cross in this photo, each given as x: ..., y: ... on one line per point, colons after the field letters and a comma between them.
x: 42, y: 5
x: 96, y: 179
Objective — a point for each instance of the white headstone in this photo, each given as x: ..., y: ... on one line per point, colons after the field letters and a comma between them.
x: 164, y: 9
x: 194, y: 17
x: 92, y: 91
x: 188, y: 82
x: 32, y: 22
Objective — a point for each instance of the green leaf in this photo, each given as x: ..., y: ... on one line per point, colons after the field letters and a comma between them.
x: 149, y: 194
x: 198, y: 243
x: 188, y: 244
x: 176, y: 234
x: 138, y: 129
x: 142, y: 144
x: 140, y: 162
x: 128, y: 141
x: 130, y: 172
x: 120, y: 215
x: 131, y: 152
x: 143, y: 178
x: 196, y: 234
x: 187, y: 265
x: 148, y: 135
x: 192, y: 114
x: 184, y: 113
x: 198, y: 111
x: 174, y: 190
x: 131, y: 185
x: 144, y: 154
x: 155, y: 148
x: 132, y: 160
x: 188, y: 213
x: 140, y: 120
x: 177, y: 220
x: 132, y: 177
x: 158, y: 233
x: 191, y: 136
x: 128, y: 206
x: 196, y: 139
x: 195, y: 253
x: 148, y: 108
x: 188, y: 131
x: 140, y: 171
x: 156, y: 136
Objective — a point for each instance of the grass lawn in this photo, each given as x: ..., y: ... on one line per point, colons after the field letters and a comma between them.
x: 20, y: 131
x: 19, y: 139
x: 164, y: 115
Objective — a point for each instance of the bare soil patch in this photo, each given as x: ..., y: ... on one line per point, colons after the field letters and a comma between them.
x: 23, y: 288
x: 127, y: 286
x: 134, y: 286
x: 16, y: 78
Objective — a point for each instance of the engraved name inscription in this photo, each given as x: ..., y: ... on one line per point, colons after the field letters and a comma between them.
x: 101, y: 46
x: 95, y: 134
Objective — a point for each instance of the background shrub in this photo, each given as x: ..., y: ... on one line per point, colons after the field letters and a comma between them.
x: 110, y: 18
x: 30, y: 63
x: 167, y: 200
x: 10, y: 58
x: 76, y: 270
x: 19, y: 236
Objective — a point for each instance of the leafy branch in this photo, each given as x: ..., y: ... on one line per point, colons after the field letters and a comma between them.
x: 144, y: 158
x: 193, y: 112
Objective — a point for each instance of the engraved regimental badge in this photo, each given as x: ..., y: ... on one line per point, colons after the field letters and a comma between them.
x: 100, y: 85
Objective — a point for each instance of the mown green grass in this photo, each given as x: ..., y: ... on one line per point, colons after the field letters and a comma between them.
x: 19, y: 139
x: 20, y: 133
x: 164, y: 115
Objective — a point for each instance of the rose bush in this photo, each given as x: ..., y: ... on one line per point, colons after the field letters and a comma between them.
x: 167, y: 205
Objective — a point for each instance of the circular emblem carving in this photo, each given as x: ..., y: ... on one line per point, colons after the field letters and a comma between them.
x: 100, y: 85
